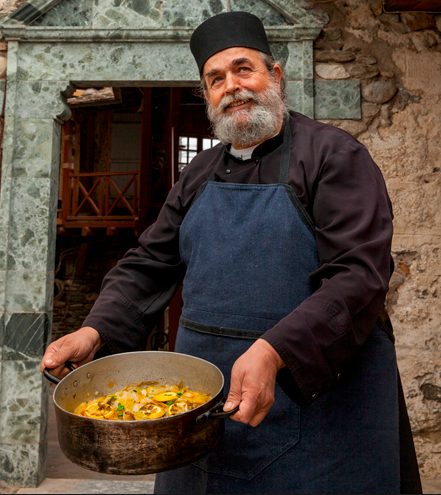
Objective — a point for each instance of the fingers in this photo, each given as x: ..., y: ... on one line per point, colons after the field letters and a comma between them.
x: 253, y: 379
x: 254, y: 407
x: 78, y: 347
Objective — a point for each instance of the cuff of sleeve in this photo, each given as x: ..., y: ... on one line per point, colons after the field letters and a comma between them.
x: 121, y: 329
x: 300, y: 385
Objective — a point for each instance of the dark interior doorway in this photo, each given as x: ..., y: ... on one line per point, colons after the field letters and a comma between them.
x: 122, y: 151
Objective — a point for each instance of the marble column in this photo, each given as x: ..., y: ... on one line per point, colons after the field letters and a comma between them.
x: 28, y: 207
x: 298, y: 69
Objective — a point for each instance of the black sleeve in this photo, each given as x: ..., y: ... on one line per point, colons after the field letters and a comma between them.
x: 137, y: 290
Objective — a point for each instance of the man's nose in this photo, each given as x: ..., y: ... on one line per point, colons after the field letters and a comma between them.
x: 232, y: 83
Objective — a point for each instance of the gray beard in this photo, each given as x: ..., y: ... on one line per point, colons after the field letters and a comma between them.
x: 263, y: 117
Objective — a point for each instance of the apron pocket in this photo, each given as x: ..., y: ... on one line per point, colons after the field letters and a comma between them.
x: 245, y: 451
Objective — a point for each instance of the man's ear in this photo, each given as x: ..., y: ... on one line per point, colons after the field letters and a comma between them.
x: 277, y: 73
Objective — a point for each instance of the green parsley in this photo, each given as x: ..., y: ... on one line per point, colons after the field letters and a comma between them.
x: 169, y: 403
x: 135, y: 391
x: 120, y: 408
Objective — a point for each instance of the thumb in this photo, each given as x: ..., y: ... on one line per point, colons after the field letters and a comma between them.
x: 234, y: 397
x: 56, y: 355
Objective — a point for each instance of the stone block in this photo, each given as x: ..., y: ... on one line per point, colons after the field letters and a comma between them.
x: 34, y: 146
x: 361, y: 71
x: 337, y: 100
x: 8, y: 145
x: 40, y: 99
x: 379, y: 91
x: 131, y: 13
x: 308, y: 98
x: 22, y: 401
x: 2, y: 92
x: 331, y: 71
x: 32, y: 211
x: 293, y: 62
x: 29, y: 291
x: 2, y: 291
x: 2, y: 336
x: 334, y: 56
x: 26, y: 336
x: 417, y: 20
x: 68, y: 13
x: 332, y: 34
x: 22, y: 465
x: 300, y: 96
x: 160, y: 62
x: 308, y: 60
x: 267, y: 14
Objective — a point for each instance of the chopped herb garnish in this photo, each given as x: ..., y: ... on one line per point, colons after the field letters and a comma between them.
x: 120, y: 414
x: 179, y: 394
x: 120, y: 408
x: 169, y: 403
x: 113, y: 396
x: 135, y: 391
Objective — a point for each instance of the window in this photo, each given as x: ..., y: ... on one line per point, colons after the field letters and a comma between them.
x: 190, y: 146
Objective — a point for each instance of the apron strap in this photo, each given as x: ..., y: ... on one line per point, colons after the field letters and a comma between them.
x: 286, y: 154
x: 214, y: 169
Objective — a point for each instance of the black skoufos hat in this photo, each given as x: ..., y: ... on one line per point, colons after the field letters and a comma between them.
x: 228, y: 30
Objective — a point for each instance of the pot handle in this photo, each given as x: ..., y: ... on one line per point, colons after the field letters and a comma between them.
x: 53, y: 378
x: 216, y: 413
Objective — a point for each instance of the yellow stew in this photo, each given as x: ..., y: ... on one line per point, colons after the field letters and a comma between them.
x: 141, y: 401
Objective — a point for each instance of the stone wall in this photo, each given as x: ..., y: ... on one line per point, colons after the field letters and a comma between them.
x: 397, y: 57
x: 398, y: 60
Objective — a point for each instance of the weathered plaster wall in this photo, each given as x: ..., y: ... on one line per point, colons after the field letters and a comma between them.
x: 403, y: 133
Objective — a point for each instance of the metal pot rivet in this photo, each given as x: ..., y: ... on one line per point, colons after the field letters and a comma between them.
x: 75, y: 383
x: 88, y: 375
x: 66, y: 391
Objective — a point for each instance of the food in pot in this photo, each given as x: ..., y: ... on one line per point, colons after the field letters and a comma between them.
x: 142, y: 401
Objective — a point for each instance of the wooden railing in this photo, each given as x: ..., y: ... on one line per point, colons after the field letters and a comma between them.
x: 88, y: 196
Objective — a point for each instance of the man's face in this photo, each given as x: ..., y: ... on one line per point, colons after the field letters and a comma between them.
x: 232, y: 70
x: 244, y: 101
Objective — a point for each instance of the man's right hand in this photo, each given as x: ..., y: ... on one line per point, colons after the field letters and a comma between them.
x: 79, y: 348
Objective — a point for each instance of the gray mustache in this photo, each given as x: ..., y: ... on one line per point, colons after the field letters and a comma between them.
x: 243, y: 95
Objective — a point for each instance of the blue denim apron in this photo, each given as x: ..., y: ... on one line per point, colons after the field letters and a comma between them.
x: 249, y: 250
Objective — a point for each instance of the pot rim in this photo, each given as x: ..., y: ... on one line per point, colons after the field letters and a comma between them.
x: 199, y: 409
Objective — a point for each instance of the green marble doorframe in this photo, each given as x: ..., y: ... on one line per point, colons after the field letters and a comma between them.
x: 54, y: 47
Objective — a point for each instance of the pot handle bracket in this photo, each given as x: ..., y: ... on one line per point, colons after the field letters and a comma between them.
x: 53, y: 378
x: 216, y: 412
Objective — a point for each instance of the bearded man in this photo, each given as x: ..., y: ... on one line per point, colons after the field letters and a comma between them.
x: 282, y: 237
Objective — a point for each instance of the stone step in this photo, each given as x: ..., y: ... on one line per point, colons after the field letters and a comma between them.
x: 90, y: 486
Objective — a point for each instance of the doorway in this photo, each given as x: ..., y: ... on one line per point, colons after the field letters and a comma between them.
x: 121, y: 152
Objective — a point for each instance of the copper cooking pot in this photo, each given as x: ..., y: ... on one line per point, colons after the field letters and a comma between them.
x: 139, y: 447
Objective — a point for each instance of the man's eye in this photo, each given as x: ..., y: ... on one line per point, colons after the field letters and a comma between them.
x: 244, y: 69
x: 216, y: 80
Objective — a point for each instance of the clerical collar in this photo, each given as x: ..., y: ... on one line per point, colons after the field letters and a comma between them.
x: 244, y: 154
x: 247, y: 153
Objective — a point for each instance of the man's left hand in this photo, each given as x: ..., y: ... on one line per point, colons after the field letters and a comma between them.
x: 253, y: 380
